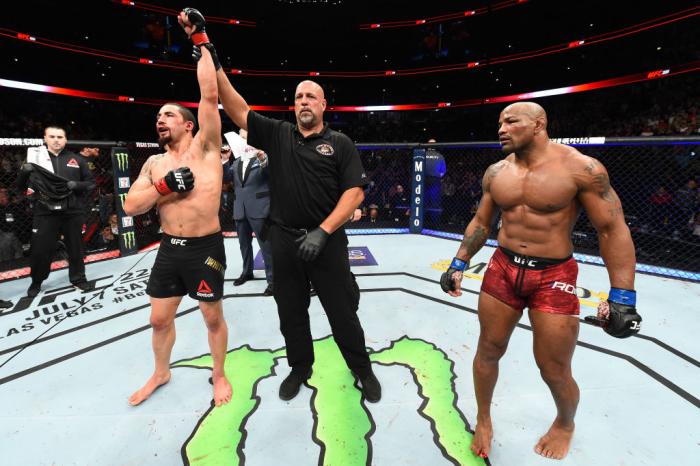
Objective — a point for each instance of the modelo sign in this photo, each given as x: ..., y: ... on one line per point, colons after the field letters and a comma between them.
x: 418, y: 175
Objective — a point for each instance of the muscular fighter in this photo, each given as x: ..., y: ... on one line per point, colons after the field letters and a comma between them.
x: 539, y: 188
x: 185, y: 184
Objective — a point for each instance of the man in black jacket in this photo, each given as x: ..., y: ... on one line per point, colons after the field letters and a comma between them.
x: 59, y: 185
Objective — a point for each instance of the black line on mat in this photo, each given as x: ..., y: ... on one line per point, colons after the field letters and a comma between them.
x: 644, y: 368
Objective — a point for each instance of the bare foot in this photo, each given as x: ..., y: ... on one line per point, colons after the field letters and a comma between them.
x: 555, y: 443
x: 144, y: 392
x: 222, y: 390
x: 483, y: 434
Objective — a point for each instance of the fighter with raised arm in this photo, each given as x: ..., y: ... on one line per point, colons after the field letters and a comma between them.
x: 185, y: 185
x: 539, y: 189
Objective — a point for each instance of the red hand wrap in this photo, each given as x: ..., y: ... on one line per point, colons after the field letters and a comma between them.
x: 162, y: 187
x: 199, y: 38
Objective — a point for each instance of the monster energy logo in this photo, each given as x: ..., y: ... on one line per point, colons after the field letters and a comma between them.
x: 122, y: 199
x: 122, y: 161
x: 129, y: 239
x: 343, y: 426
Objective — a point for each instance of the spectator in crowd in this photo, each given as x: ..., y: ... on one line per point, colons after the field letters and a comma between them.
x: 686, y: 202
x: 105, y: 239
x: 8, y: 171
x: 398, y: 203
x: 696, y: 226
x: 10, y: 246
x: 661, y: 202
x: 373, y: 194
x: 447, y: 194
x: 114, y: 223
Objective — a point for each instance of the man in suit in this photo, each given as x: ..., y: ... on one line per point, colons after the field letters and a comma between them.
x: 251, y: 204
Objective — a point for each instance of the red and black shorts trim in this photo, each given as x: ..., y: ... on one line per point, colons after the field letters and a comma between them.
x: 189, y: 266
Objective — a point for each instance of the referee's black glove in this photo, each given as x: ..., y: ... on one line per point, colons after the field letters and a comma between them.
x: 310, y: 244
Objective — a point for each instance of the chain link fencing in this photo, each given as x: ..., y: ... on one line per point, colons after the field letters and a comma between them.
x: 654, y: 177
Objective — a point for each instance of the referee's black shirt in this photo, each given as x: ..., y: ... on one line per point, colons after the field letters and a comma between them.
x: 308, y: 175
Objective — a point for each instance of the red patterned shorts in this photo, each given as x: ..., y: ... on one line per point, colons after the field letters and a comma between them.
x: 547, y: 285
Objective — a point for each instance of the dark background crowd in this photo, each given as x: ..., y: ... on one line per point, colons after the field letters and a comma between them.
x: 658, y: 183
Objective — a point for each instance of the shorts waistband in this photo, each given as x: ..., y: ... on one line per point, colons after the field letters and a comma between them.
x: 532, y: 262
x: 184, y: 241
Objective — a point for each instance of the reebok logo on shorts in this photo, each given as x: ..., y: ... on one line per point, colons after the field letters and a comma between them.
x: 565, y: 287
x: 204, y: 291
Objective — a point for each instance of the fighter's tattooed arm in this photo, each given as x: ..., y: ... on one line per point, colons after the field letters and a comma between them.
x: 473, y: 241
x: 142, y: 195
x: 605, y: 212
x: 148, y: 166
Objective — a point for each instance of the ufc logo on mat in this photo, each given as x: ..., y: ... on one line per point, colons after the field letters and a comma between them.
x: 565, y: 287
x: 178, y: 242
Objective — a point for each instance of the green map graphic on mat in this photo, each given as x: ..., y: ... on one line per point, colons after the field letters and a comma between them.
x: 343, y: 426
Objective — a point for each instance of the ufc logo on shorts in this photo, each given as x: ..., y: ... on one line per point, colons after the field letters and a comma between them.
x: 522, y: 261
x: 178, y: 242
x: 565, y: 287
x: 180, y: 181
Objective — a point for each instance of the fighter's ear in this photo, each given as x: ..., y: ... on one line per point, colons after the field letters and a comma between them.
x: 540, y: 124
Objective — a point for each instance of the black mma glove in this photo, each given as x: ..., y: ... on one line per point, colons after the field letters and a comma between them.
x: 27, y: 167
x: 197, y: 54
x: 196, y: 19
x: 447, y: 279
x: 176, y: 181
x: 311, y: 244
x: 71, y: 185
x: 622, y: 320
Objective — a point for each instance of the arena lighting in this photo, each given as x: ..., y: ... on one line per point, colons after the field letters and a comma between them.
x: 613, y: 82
x: 173, y: 12
x: 441, y: 18
x: 661, y: 21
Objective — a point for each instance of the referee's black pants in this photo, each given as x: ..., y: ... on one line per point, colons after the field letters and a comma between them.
x: 336, y: 289
x: 45, y: 232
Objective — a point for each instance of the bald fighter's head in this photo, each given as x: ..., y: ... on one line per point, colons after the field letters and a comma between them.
x: 309, y: 105
x: 521, y: 124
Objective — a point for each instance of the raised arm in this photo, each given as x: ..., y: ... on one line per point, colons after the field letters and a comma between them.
x: 208, y: 115
x: 192, y: 21
x: 604, y: 210
x: 475, y: 235
x: 209, y: 135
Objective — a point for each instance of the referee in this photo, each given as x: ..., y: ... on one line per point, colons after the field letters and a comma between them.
x: 316, y: 182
